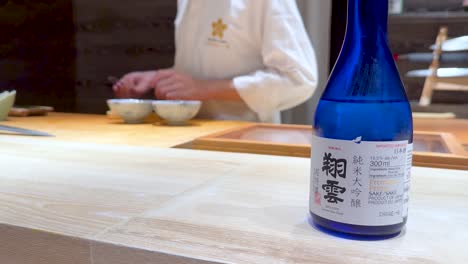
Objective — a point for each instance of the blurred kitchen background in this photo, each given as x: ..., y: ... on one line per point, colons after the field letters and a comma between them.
x: 61, y: 53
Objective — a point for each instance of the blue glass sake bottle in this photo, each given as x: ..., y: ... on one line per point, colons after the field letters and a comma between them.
x: 363, y: 134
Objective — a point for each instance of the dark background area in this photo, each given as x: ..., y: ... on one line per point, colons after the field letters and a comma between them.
x: 61, y: 52
x: 114, y: 37
x: 37, y: 52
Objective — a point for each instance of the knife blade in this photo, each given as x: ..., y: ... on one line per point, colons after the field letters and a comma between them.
x: 24, y: 131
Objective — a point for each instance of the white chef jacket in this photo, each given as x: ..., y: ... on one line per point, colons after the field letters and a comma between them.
x: 260, y: 44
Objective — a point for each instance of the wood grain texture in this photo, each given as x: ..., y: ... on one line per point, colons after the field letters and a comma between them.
x: 457, y: 127
x: 80, y: 190
x: 295, y: 141
x: 103, y: 130
x: 20, y: 245
x: 259, y: 215
x: 105, y: 253
x: 153, y: 205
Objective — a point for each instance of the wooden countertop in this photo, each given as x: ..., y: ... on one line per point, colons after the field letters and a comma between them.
x: 101, y: 129
x: 104, y: 130
x: 64, y: 202
x: 458, y: 127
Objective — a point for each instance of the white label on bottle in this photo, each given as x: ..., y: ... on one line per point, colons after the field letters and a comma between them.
x: 409, y: 163
x: 358, y: 182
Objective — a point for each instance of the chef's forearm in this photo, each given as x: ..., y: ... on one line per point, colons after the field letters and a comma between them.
x: 220, y: 90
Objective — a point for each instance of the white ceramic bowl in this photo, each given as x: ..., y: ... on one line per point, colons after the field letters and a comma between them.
x: 7, y: 100
x: 132, y: 111
x: 176, y: 112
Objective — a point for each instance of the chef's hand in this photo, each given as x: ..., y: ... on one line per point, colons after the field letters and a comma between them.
x: 172, y: 85
x: 134, y: 84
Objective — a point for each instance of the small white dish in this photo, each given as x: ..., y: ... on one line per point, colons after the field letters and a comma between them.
x: 176, y: 112
x: 132, y: 111
x: 7, y: 100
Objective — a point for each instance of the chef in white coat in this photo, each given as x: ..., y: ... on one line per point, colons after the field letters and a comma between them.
x: 245, y: 59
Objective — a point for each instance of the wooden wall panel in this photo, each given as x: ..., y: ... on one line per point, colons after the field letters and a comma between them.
x: 60, y: 52
x: 116, y: 37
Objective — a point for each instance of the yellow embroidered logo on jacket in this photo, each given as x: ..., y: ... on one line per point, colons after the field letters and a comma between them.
x: 218, y: 28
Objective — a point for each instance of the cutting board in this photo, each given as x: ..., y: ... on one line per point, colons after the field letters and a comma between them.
x: 431, y: 149
x: 22, y: 111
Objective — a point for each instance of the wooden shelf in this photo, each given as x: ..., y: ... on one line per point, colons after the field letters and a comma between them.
x: 431, y: 15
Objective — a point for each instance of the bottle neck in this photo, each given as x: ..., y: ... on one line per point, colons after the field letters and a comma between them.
x: 365, y: 69
x: 367, y: 20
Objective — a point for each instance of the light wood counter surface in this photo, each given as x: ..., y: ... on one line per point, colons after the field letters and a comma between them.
x: 104, y: 130
x: 458, y: 127
x: 65, y: 202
